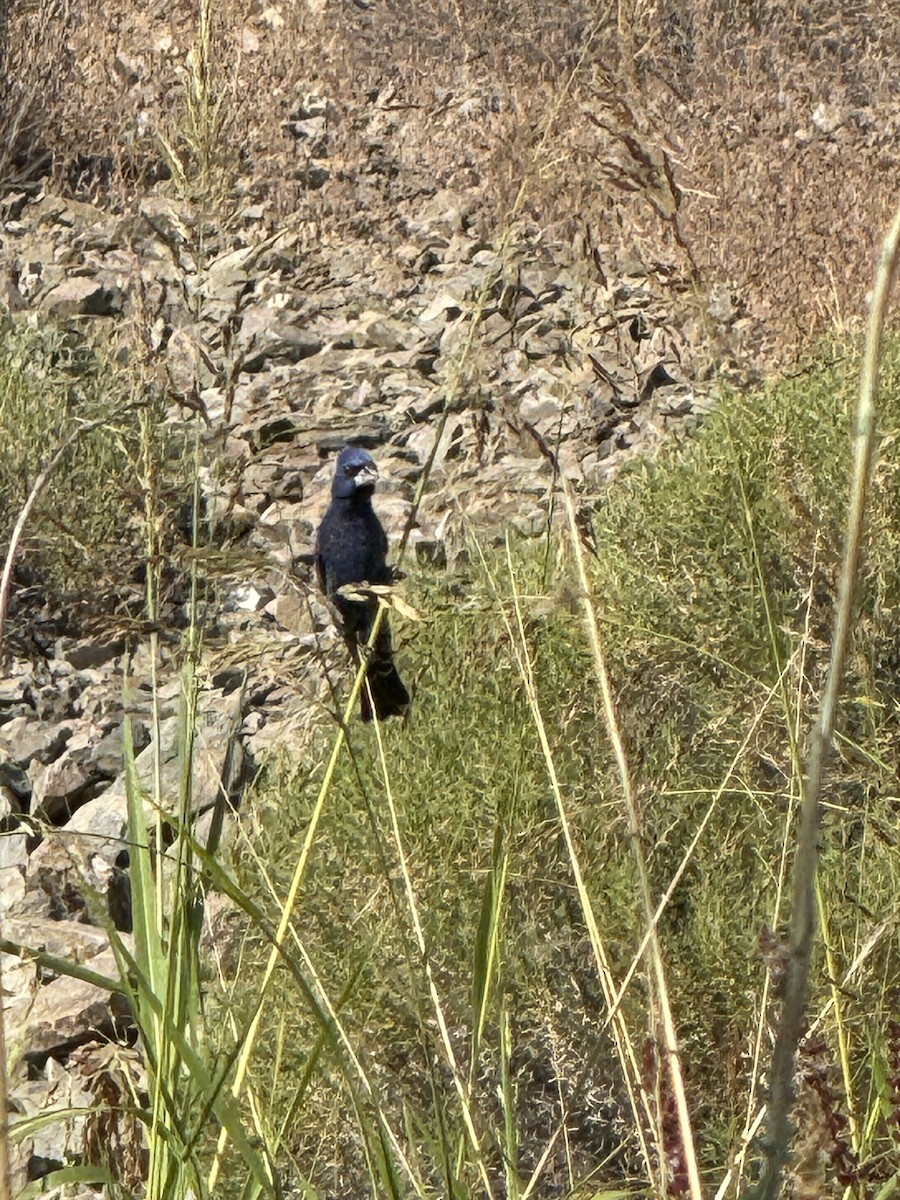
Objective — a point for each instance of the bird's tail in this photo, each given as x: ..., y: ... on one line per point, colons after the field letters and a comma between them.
x: 389, y: 697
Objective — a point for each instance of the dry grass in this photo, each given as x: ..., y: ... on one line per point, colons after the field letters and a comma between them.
x: 786, y: 118
x: 719, y: 654
x: 748, y: 147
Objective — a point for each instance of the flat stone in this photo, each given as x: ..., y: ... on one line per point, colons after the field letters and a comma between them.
x: 540, y: 407
x: 89, y: 654
x: 65, y: 939
x: 290, y: 612
x: 383, y: 333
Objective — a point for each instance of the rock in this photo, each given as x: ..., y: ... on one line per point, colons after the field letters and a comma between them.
x: 69, y: 873
x: 12, y: 205
x: 447, y: 212
x: 69, y: 940
x: 677, y: 406
x: 447, y: 305
x: 55, y: 1143
x: 531, y: 523
x: 188, y: 363
x: 14, y: 780
x: 89, y: 654
x: 247, y: 598
x: 279, y: 526
x: 170, y: 219
x: 540, y: 407
x: 14, y: 688
x: 827, y: 118
x: 67, y: 1012
x: 11, y: 299
x: 657, y: 377
x: 290, y: 612
x: 13, y: 863
x: 383, y: 333
x: 83, y: 297
x: 109, y: 752
x: 129, y: 68
x: 24, y: 740
x: 70, y: 780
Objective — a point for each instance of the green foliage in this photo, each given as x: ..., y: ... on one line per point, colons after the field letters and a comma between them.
x: 715, y: 579
x: 49, y: 383
x: 437, y: 1020
x: 59, y: 391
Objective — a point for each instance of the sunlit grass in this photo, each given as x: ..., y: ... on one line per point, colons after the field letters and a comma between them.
x: 460, y: 1002
x: 714, y: 661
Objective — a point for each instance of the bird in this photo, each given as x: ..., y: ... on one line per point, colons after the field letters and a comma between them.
x: 351, y: 548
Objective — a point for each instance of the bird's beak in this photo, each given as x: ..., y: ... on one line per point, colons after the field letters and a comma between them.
x: 367, y: 477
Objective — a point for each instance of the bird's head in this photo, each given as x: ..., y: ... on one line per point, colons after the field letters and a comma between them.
x: 355, y: 473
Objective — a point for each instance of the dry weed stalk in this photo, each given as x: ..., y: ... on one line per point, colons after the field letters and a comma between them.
x: 802, y: 937
x: 674, y: 1091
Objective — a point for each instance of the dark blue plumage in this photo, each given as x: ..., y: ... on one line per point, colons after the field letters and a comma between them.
x: 351, y: 547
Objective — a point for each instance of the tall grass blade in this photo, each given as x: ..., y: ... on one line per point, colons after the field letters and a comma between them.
x: 669, y: 1036
x: 631, y: 1071
x: 802, y: 934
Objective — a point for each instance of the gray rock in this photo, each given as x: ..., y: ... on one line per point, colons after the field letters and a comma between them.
x: 87, y: 654
x: 83, y: 297
x: 188, y: 363
x: 61, y: 786
x: 13, y: 688
x: 67, y: 1012
x: 170, y: 219
x: 291, y: 613
x: 65, y: 939
x: 13, y: 864
x: 26, y: 739
x: 383, y: 333
x: 57, y: 1142
x: 71, y: 868
x: 531, y: 523
x: 281, y: 341
x: 539, y: 407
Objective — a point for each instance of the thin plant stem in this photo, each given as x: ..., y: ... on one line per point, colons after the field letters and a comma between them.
x: 5, y: 1193
x: 458, y: 1078
x: 631, y: 1072
x: 669, y: 1036
x: 802, y: 934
